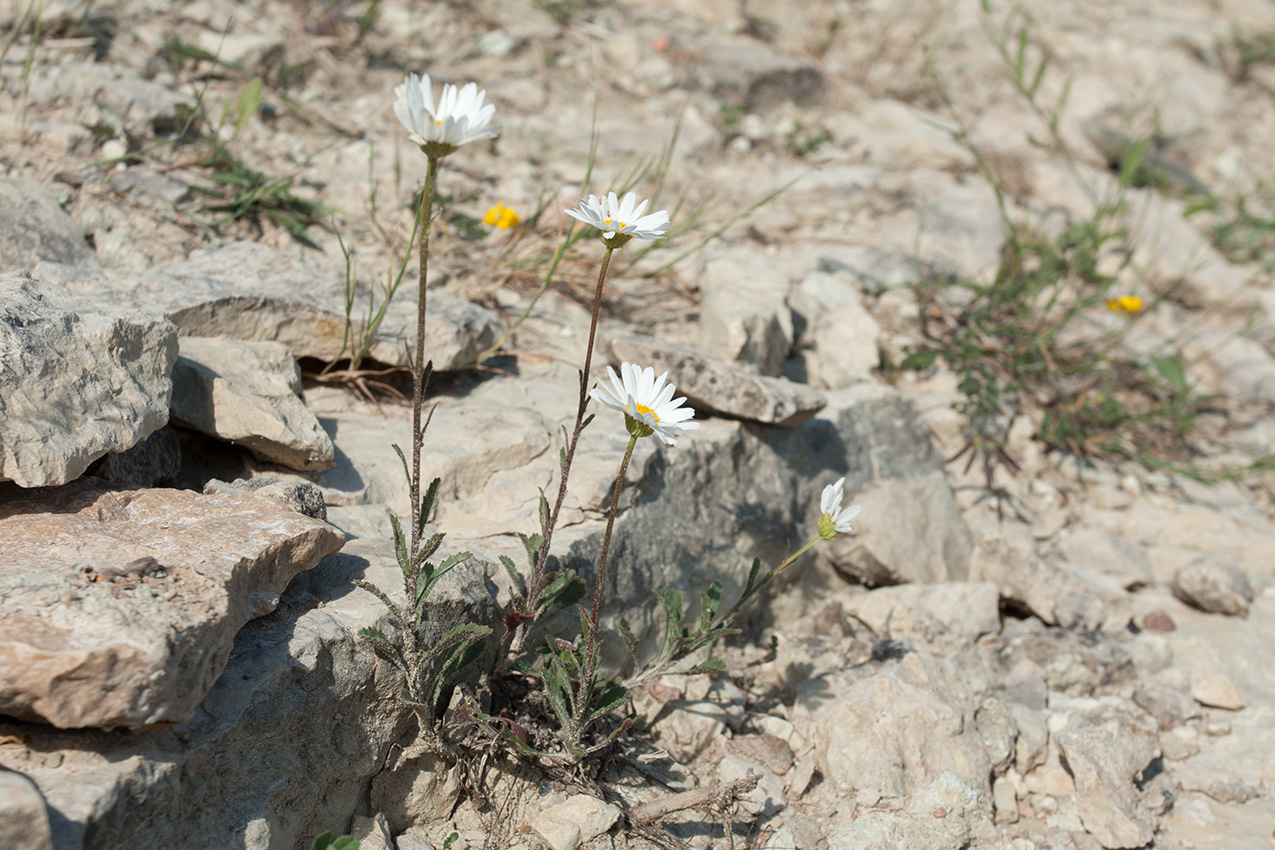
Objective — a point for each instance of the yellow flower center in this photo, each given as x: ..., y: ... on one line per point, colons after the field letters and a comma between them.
x: 643, y: 409
x: 621, y: 225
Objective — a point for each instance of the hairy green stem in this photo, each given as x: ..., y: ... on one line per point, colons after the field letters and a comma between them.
x: 536, y: 585
x: 606, y: 538
x: 418, y: 362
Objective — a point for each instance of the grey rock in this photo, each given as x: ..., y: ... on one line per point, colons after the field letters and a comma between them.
x: 24, y: 818
x: 143, y: 106
x: 579, y: 819
x: 1210, y: 686
x: 716, y: 387
x: 767, y: 799
x: 34, y: 227
x: 687, y: 727
x: 1169, y: 706
x: 744, y: 317
x: 917, y: 534
x: 1007, y: 556
x: 947, y: 813
x: 248, y: 393
x: 1214, y: 583
x: 156, y: 460
x: 295, y: 494
x: 257, y: 52
x: 937, y: 616
x: 372, y: 833
x: 839, y: 338
x: 301, y: 711
x: 77, y: 380
x: 1103, y: 552
x: 865, y: 434
x: 888, y: 736
x: 749, y: 73
x: 250, y: 291
x: 1106, y: 753
x: 121, y: 607
x: 1075, y: 663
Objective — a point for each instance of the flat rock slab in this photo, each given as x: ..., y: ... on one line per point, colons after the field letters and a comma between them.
x: 251, y: 291
x: 248, y: 393
x: 77, y: 380
x: 714, y: 386
x: 304, y: 714
x: 121, y: 607
x: 34, y: 227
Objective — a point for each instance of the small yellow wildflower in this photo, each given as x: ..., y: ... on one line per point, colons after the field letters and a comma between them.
x: 1125, y: 304
x: 502, y: 216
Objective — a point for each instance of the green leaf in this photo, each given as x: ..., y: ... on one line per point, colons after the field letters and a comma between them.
x: 400, y: 551
x: 919, y: 360
x: 402, y: 457
x: 557, y: 689
x: 630, y: 639
x: 1170, y: 368
x: 429, y: 502
x: 565, y: 590
x: 532, y: 543
x: 671, y: 599
x: 712, y: 665
x: 442, y: 570
x: 429, y: 547
x: 463, y: 644
x: 112, y: 119
x: 544, y: 515
x: 751, y: 584
x: 708, y: 604
x: 519, y: 584
x: 249, y: 103
x: 605, y: 699
x: 1131, y: 162
x: 345, y: 842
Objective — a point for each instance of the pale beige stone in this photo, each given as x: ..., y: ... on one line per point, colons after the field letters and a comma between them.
x: 121, y: 607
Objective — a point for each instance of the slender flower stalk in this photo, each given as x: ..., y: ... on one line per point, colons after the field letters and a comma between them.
x: 419, y: 374
x: 616, y: 233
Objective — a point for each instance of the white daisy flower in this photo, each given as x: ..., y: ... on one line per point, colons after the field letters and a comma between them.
x: 463, y: 115
x: 621, y: 219
x: 835, y: 519
x: 647, y: 403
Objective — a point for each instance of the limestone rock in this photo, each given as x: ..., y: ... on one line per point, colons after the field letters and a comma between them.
x: 1214, y: 583
x: 248, y: 393
x: 144, y: 107
x: 295, y: 494
x: 372, y: 833
x: 249, y: 291
x: 1106, y: 753
x: 744, y: 317
x: 1211, y: 686
x: 891, y: 734
x: 841, y: 335
x: 1103, y: 552
x: 24, y: 819
x: 34, y: 227
x: 302, y: 712
x: 579, y: 819
x: 156, y: 460
x: 939, y: 616
x: 1007, y: 556
x: 947, y: 813
x: 716, y: 387
x: 77, y: 380
x: 1169, y: 706
x: 767, y: 799
x: 916, y: 534
x: 121, y: 607
x: 747, y: 72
